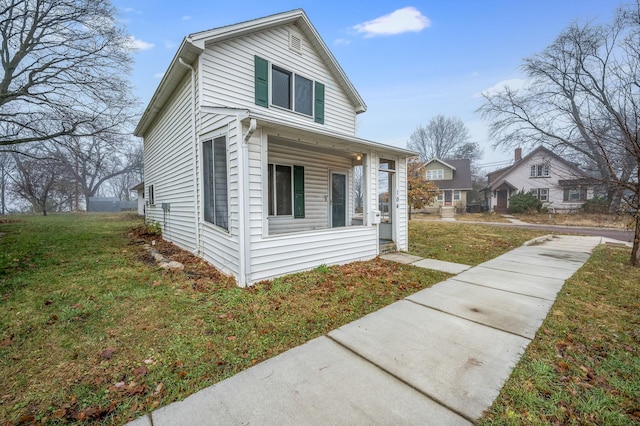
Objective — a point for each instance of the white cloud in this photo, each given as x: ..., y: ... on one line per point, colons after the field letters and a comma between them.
x: 408, y: 19
x: 186, y: 18
x: 139, y: 44
x: 513, y: 84
x: 342, y: 42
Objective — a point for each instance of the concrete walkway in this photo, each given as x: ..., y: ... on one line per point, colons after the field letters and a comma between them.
x: 437, y: 357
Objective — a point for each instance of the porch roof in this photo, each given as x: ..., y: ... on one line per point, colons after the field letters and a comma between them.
x: 314, y: 136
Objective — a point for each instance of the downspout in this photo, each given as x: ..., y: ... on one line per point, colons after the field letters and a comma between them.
x: 245, y: 237
x: 194, y: 153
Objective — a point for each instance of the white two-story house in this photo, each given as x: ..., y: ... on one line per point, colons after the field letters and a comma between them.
x: 251, y: 159
x: 558, y: 183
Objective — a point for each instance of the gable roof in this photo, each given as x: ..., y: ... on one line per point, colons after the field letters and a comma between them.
x: 461, y: 174
x: 437, y: 160
x: 194, y: 44
x: 497, y: 177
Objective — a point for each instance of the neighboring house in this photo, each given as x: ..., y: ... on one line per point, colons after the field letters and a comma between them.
x: 251, y: 159
x: 558, y: 183
x: 453, y: 178
x: 139, y: 188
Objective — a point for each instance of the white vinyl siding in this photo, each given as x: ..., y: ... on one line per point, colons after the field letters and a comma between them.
x: 317, y: 167
x: 290, y: 253
x: 228, y: 77
x: 219, y: 247
x: 168, y: 164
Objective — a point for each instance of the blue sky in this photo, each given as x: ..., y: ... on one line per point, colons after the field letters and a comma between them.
x: 409, y: 60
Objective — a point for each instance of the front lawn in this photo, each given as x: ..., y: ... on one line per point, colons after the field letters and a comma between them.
x: 468, y: 244
x: 92, y: 331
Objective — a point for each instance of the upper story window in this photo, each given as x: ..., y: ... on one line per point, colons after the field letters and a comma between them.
x: 437, y: 174
x: 291, y: 91
x: 288, y: 90
x: 540, y: 170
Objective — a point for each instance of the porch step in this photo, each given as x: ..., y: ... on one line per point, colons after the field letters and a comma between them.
x: 447, y: 212
x: 388, y: 248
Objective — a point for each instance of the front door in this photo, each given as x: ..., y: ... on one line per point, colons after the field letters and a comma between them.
x: 447, y: 198
x: 501, y: 207
x: 338, y: 199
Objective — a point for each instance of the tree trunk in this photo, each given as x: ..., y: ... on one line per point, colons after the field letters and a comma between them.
x: 635, y: 251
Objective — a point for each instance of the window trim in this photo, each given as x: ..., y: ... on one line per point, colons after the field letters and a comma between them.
x: 539, y: 170
x: 223, y: 225
x: 439, y: 172
x: 151, y: 199
x: 582, y: 195
x: 292, y: 90
x: 297, y: 196
x: 538, y: 193
x: 457, y: 195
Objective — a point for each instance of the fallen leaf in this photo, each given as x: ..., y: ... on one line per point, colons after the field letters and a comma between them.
x: 231, y: 338
x: 140, y: 371
x: 181, y: 374
x: 107, y: 353
x: 159, y: 389
x: 7, y: 342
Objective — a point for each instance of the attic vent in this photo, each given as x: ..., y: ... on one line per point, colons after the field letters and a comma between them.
x: 295, y: 43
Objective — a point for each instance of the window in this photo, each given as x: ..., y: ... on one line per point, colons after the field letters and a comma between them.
x: 304, y: 95
x: 575, y: 194
x: 281, y: 87
x: 456, y: 195
x: 541, y: 194
x: 286, y: 191
x: 288, y: 90
x: 214, y: 167
x: 540, y: 170
x: 292, y: 91
x: 151, y: 200
x: 440, y: 196
x: 435, y: 174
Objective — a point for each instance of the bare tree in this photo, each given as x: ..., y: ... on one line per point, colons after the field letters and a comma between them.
x: 39, y: 180
x: 65, y: 65
x: 444, y: 137
x: 92, y: 161
x: 582, y: 100
x: 132, y: 174
x: 6, y: 167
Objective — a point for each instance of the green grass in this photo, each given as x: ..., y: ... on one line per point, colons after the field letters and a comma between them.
x: 583, y: 367
x: 90, y: 331
x: 468, y: 244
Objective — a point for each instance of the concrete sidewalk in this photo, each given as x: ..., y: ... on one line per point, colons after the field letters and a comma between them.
x: 437, y: 357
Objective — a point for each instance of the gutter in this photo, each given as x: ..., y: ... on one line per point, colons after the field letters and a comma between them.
x: 244, y: 234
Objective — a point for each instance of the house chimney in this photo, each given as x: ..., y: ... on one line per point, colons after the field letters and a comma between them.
x: 518, y: 154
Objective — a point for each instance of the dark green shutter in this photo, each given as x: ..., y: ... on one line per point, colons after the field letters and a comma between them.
x: 319, y: 103
x: 262, y: 81
x: 298, y: 191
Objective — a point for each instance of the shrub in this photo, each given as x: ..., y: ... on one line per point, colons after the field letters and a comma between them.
x: 597, y: 204
x: 524, y: 202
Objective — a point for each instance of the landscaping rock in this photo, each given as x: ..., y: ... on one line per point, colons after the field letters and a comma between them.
x: 172, y: 266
